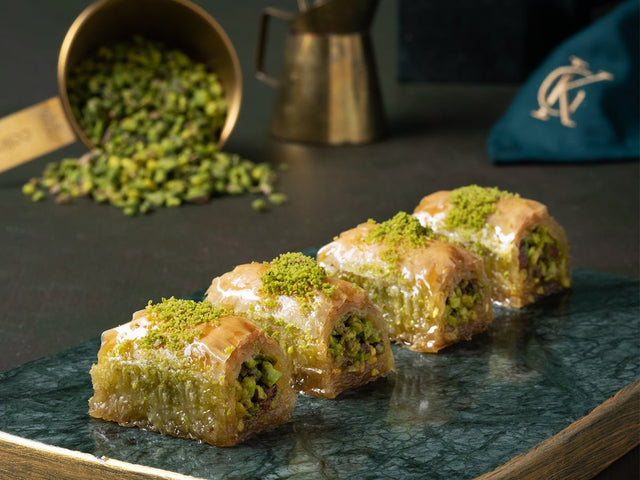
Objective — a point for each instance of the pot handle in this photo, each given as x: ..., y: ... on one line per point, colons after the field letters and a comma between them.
x: 265, y: 17
x: 32, y: 132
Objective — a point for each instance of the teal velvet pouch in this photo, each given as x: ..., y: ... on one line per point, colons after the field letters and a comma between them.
x: 582, y: 103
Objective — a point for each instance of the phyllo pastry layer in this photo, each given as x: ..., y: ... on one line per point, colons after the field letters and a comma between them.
x: 432, y: 293
x: 526, y: 252
x: 190, y: 369
x: 332, y: 334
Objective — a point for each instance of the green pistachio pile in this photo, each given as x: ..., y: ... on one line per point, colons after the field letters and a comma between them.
x: 296, y: 274
x: 154, y: 116
x: 401, y: 230
x: 173, y: 322
x: 471, y: 205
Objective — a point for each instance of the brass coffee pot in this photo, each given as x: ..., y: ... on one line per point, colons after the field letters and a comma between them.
x: 328, y: 90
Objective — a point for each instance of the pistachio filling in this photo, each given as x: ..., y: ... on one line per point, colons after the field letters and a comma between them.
x: 355, y: 341
x: 459, y: 308
x: 539, y: 255
x: 402, y: 309
x: 256, y: 385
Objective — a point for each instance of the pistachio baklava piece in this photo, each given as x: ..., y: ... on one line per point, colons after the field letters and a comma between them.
x: 431, y: 292
x: 191, y: 369
x: 526, y: 252
x: 333, y: 335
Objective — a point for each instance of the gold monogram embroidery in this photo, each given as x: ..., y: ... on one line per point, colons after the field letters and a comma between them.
x: 556, y: 87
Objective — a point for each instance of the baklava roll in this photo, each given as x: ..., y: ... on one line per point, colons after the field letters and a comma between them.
x: 190, y: 369
x: 333, y: 335
x: 432, y: 293
x: 526, y: 252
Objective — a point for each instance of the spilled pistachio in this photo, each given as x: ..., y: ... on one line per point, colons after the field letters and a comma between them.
x: 154, y: 116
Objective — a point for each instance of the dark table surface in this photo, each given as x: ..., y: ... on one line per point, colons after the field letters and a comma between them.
x: 69, y: 272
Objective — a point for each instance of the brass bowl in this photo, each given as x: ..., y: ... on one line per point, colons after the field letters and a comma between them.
x: 178, y: 23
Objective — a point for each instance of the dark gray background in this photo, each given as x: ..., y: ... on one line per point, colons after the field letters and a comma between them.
x: 69, y: 272
x: 488, y: 40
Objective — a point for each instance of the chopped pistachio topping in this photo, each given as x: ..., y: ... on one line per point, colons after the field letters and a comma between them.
x: 402, y: 229
x: 259, y: 205
x: 296, y: 275
x: 471, y: 205
x: 256, y: 385
x: 459, y: 308
x: 355, y: 339
x: 172, y: 322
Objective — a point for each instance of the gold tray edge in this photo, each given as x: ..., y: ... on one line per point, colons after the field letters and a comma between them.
x: 21, y: 458
x: 584, y: 448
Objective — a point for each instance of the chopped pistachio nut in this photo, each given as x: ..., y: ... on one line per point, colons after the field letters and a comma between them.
x: 259, y: 205
x: 37, y: 195
x: 154, y: 117
x: 28, y: 188
x: 459, y: 308
x: 278, y: 198
x: 296, y: 275
x: 172, y: 322
x: 471, y: 205
x: 355, y: 339
x: 256, y: 385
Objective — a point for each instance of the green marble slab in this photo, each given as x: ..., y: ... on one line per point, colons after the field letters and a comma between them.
x: 457, y: 414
